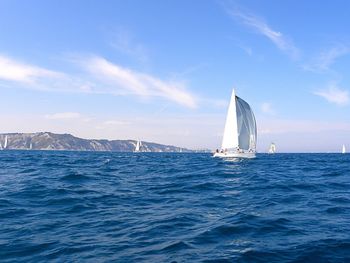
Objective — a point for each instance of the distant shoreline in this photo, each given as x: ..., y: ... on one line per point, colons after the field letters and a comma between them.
x: 48, y: 141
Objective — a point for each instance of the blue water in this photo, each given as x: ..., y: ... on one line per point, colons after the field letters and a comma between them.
x: 163, y: 207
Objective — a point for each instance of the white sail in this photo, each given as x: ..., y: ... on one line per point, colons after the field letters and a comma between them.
x: 5, y: 143
x: 0, y: 146
x: 30, y: 146
x: 138, y: 146
x: 246, y: 125
x: 343, y: 149
x: 272, y: 148
x: 230, y: 138
x: 240, y: 134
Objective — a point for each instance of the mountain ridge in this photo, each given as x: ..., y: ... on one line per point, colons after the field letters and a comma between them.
x: 55, y: 141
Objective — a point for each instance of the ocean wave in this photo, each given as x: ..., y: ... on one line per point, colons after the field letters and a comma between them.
x: 125, y: 207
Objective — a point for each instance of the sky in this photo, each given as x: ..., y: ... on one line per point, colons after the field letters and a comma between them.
x: 163, y: 71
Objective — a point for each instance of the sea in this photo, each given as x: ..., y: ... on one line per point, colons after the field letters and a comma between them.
x: 58, y: 206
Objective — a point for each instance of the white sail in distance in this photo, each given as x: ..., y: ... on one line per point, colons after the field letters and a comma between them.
x: 5, y: 143
x: 343, y: 150
x: 138, y: 146
x: 272, y: 148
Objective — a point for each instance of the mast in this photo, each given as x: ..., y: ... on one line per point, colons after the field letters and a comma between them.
x: 230, y: 138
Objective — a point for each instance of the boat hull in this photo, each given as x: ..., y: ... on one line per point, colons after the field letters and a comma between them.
x: 235, y: 155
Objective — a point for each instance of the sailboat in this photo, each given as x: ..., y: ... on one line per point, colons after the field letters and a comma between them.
x: 343, y: 150
x: 272, y: 149
x: 5, y: 143
x: 138, y: 146
x: 240, y: 134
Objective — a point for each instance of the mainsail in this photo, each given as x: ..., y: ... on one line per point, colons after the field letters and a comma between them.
x: 343, y: 149
x: 230, y: 138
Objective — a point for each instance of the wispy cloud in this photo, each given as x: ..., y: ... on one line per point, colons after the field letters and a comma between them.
x: 95, y: 75
x: 121, y: 79
x: 12, y: 70
x: 334, y: 94
x: 15, y: 73
x: 259, y: 25
x: 326, y: 58
x: 267, y: 108
x: 63, y: 116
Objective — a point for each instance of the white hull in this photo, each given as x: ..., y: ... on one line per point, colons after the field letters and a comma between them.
x: 234, y: 155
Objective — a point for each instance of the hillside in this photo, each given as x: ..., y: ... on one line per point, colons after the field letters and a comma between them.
x: 52, y: 141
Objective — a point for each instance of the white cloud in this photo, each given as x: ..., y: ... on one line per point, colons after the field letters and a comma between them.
x: 334, y: 94
x: 327, y: 58
x: 121, y: 80
x: 258, y: 24
x: 266, y: 108
x: 103, y: 77
x: 16, y: 74
x: 63, y: 116
x: 12, y: 70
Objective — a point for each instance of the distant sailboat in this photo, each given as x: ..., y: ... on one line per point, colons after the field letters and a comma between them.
x: 5, y: 143
x: 272, y: 149
x: 138, y: 146
x: 343, y: 150
x: 240, y: 134
x: 30, y: 146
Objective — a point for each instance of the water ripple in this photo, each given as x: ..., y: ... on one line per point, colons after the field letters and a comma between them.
x: 148, y: 207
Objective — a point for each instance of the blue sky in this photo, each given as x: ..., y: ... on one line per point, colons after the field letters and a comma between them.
x: 163, y: 70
